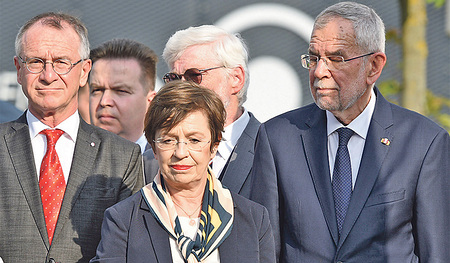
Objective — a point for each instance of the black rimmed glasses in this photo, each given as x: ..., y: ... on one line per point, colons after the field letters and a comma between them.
x: 171, y: 144
x: 60, y: 66
x: 332, y: 62
x: 192, y: 74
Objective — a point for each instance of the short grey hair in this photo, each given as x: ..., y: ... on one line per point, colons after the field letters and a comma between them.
x: 54, y: 20
x: 368, y: 26
x: 229, y: 49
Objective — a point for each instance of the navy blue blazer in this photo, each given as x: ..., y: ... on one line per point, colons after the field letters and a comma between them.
x: 236, y: 173
x: 400, y: 207
x: 131, y: 234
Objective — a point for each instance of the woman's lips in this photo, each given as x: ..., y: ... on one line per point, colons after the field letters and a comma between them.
x: 181, y: 167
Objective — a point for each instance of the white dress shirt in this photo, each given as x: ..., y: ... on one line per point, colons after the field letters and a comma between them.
x: 360, y: 127
x: 65, y: 145
x: 142, y: 142
x: 230, y: 137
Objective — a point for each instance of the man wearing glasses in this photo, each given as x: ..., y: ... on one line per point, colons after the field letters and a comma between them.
x: 58, y: 174
x: 353, y: 178
x: 217, y: 60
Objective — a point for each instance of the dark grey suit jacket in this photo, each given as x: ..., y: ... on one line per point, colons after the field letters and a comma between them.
x: 399, y: 210
x: 131, y: 234
x: 238, y: 167
x: 105, y: 169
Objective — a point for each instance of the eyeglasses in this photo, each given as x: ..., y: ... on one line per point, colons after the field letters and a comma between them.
x: 332, y: 62
x: 171, y: 144
x: 192, y: 74
x: 60, y: 66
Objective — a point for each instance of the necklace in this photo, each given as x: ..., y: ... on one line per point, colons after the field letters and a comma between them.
x: 191, y: 220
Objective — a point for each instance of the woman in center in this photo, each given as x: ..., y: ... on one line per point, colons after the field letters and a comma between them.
x: 185, y: 214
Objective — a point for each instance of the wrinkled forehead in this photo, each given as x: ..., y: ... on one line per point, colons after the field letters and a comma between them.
x: 42, y: 35
x: 334, y: 37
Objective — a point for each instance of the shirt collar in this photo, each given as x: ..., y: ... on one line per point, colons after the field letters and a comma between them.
x: 69, y: 125
x: 142, y: 142
x: 360, y: 125
x: 233, y: 132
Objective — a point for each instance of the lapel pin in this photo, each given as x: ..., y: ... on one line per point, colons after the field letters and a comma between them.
x: 385, y: 141
x: 92, y: 144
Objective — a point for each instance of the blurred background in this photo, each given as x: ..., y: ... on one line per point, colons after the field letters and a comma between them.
x: 417, y: 74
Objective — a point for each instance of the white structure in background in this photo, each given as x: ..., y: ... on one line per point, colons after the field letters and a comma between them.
x: 274, y: 84
x: 11, y: 91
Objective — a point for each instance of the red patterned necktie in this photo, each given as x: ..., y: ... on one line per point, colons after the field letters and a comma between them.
x: 51, y: 182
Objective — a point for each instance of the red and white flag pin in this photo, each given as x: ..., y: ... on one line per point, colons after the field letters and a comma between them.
x: 385, y: 141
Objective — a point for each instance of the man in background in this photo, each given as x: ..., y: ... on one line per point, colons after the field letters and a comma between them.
x: 122, y: 85
x: 58, y: 173
x: 352, y: 177
x: 217, y: 60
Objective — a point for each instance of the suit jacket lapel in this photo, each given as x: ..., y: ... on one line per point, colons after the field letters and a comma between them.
x: 19, y: 145
x: 372, y: 159
x: 315, y: 143
x: 158, y: 236
x: 240, y: 163
x: 86, y: 148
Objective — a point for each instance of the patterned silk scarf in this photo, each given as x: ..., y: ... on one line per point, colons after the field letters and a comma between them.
x: 216, y: 219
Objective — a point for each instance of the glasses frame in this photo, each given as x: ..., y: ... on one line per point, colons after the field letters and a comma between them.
x: 171, y: 76
x: 173, y: 146
x: 49, y: 62
x: 304, y: 59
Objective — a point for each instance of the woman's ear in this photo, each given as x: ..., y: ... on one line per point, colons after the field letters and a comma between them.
x: 214, y: 149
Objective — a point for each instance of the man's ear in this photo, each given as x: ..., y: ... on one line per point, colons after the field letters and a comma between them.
x: 18, y: 65
x: 376, y: 64
x: 85, y: 69
x: 237, y: 79
x: 151, y: 94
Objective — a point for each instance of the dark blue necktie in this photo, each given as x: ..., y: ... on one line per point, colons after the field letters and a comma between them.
x: 342, y: 177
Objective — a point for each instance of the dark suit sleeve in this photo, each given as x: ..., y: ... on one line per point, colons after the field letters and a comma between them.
x: 432, y: 209
x: 113, y: 245
x: 264, y: 183
x: 133, y: 178
x: 266, y: 243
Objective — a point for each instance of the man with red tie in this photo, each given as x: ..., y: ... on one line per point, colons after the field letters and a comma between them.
x: 58, y: 174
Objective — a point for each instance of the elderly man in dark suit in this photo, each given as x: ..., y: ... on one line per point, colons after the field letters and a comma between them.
x: 58, y: 173
x: 380, y: 195
x: 217, y: 60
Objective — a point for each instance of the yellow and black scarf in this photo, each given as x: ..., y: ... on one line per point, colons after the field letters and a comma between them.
x: 216, y: 219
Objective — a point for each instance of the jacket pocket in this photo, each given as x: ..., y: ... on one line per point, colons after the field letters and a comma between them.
x: 386, y: 198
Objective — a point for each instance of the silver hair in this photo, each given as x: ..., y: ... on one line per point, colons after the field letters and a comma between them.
x: 54, y: 20
x: 368, y: 26
x: 228, y: 49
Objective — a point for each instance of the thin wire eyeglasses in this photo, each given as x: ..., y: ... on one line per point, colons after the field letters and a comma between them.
x: 192, y: 74
x: 331, y: 62
x: 60, y: 66
x: 171, y: 144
